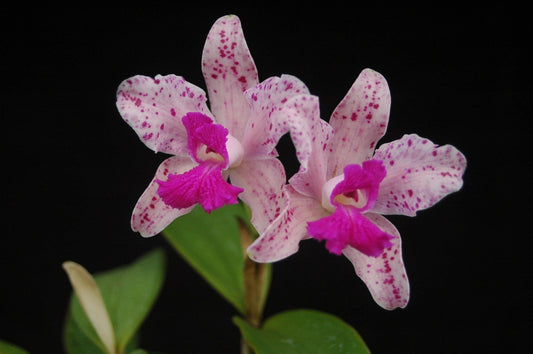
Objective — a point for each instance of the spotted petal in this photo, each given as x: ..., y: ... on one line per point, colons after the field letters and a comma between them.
x: 267, y: 121
x: 262, y: 181
x: 419, y: 174
x: 151, y: 214
x: 359, y: 121
x: 154, y: 108
x: 310, y: 135
x: 282, y: 236
x: 228, y: 70
x: 385, y: 275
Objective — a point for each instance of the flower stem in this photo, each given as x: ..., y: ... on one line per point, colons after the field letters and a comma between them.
x: 256, y: 284
x: 245, y: 348
x: 254, y: 277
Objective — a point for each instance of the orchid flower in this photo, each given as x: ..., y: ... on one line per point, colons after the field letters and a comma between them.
x: 235, y: 139
x: 343, y: 187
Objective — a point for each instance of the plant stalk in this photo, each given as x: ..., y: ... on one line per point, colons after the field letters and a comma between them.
x: 256, y: 284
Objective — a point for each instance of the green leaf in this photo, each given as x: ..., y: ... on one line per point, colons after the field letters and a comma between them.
x: 129, y: 293
x: 302, y: 331
x: 8, y: 348
x: 211, y: 244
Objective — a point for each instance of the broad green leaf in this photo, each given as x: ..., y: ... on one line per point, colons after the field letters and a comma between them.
x: 129, y: 293
x: 8, y: 348
x: 302, y: 331
x: 211, y: 244
x: 79, y: 336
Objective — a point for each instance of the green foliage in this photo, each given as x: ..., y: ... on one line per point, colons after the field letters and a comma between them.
x: 211, y: 244
x: 129, y: 293
x: 302, y: 331
x: 8, y: 348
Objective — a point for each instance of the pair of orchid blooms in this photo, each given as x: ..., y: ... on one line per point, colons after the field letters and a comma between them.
x: 344, y: 185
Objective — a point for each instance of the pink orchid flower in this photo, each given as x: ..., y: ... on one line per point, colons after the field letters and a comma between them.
x: 344, y: 187
x: 234, y: 140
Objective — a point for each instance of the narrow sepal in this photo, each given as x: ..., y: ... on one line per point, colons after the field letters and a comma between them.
x: 385, y: 275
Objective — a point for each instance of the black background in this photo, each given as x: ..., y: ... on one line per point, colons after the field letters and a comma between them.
x: 73, y: 170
